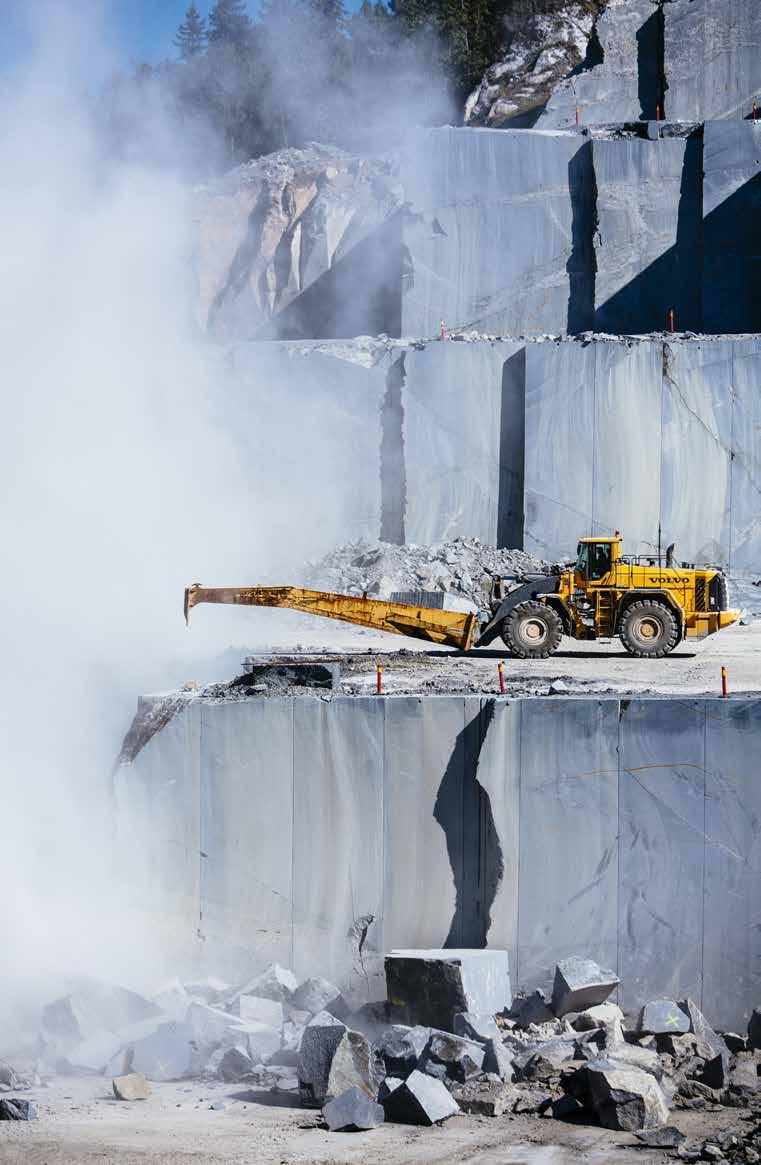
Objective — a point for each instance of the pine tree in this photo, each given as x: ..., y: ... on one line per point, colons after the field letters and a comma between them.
x: 229, y: 22
x: 191, y: 35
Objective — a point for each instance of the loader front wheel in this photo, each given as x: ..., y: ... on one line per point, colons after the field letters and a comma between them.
x: 649, y: 629
x: 532, y: 631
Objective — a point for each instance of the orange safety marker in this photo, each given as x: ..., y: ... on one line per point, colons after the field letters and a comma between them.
x: 672, y: 321
x: 500, y: 667
x: 755, y: 111
x: 379, y: 679
x: 657, y: 113
x: 577, y: 115
x: 724, y: 682
x: 442, y: 334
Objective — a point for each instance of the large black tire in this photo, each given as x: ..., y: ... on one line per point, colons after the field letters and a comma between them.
x: 532, y: 631
x: 649, y: 629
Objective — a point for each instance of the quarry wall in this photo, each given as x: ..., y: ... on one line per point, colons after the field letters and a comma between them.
x: 520, y: 443
x: 624, y: 829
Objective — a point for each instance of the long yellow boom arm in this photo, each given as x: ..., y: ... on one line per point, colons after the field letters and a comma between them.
x: 449, y: 628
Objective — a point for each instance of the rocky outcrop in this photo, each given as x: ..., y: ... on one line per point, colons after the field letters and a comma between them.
x: 292, y: 222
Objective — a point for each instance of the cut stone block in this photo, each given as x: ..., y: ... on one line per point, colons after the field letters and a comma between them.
x: 662, y: 1015
x: 452, y: 1057
x: 133, y: 1086
x: 621, y: 1097
x: 353, y: 1111
x: 355, y: 1064
x: 418, y: 1100
x: 431, y: 986
x: 480, y: 1028
x: 252, y: 1008
x: 580, y: 983
x: 318, y: 1045
x: 668, y: 1137
x: 14, y: 1109
x: 316, y: 994
x: 402, y: 1047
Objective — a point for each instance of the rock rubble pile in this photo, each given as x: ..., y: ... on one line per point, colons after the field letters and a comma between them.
x: 574, y: 1056
x: 461, y: 569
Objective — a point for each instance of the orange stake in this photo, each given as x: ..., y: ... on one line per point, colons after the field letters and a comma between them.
x: 500, y: 669
x: 379, y: 679
x: 657, y: 113
x: 442, y: 334
x: 577, y: 115
x: 724, y: 682
x: 672, y: 321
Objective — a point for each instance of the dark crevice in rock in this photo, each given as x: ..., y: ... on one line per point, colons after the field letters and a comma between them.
x: 651, y: 74
x: 463, y: 810
x: 392, y: 468
x: 512, y: 451
x: 582, y: 264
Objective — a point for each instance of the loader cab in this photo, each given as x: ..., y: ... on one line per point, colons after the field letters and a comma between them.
x: 596, y: 557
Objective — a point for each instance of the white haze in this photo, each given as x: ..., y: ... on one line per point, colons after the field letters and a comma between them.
x: 122, y: 481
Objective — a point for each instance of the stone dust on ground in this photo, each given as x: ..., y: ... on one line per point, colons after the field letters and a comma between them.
x: 81, y: 1123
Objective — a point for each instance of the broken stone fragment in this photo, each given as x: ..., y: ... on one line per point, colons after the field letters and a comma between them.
x: 662, y: 1016
x: 621, y: 1097
x: 418, y: 1100
x: 166, y: 1054
x: 480, y: 1028
x: 580, y: 983
x: 102, y: 1050
x: 743, y: 1078
x: 700, y: 1026
x: 14, y: 1109
x: 498, y: 1061
x: 451, y: 1057
x: 288, y: 1055
x: 319, y: 1042
x: 235, y: 1064
x: 210, y: 990
x: 528, y: 1009
x: 355, y: 1064
x: 734, y: 1042
x: 133, y: 1086
x: 173, y: 998
x: 353, y: 1111
x: 402, y: 1048
x: 634, y: 1056
x: 542, y: 1063
x: 8, y: 1078
x: 484, y: 1095
x: 668, y: 1137
x: 599, y: 1016
x: 431, y: 986
x: 716, y: 1071
x: 316, y: 994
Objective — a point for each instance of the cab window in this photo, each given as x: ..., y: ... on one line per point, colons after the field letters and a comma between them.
x: 593, y: 560
x: 581, y: 559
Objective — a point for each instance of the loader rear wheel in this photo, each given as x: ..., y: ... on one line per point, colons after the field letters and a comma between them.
x: 532, y: 631
x: 649, y: 629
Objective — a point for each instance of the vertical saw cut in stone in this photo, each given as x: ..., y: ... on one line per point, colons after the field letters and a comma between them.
x: 318, y: 1045
x: 661, y: 1016
x: 419, y: 1100
x: 353, y: 1111
x: 431, y: 986
x: 580, y: 983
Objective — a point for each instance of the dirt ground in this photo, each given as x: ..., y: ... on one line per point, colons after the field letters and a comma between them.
x: 81, y: 1123
x: 576, y: 668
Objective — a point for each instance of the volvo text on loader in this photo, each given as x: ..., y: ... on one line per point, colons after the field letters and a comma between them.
x: 648, y: 601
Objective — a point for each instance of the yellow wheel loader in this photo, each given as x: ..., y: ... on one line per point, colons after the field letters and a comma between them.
x: 650, y: 602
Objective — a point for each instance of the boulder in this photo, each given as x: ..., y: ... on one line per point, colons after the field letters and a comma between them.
x: 531, y: 1009
x: 542, y: 1063
x: 256, y: 1009
x: 716, y: 1071
x: 133, y: 1086
x: 498, y: 1061
x: 355, y: 1064
x: 431, y: 986
x: 97, y: 1052
x: 276, y: 983
x: 700, y: 1026
x: 599, y: 1016
x: 668, y: 1137
x: 620, y: 1096
x: 14, y: 1109
x: 288, y: 1054
x: 209, y: 990
x: 353, y: 1111
x: 634, y: 1056
x: 235, y: 1064
x: 484, y: 1095
x: 92, y: 1009
x: 450, y: 1057
x: 318, y: 1045
x: 580, y: 983
x: 167, y: 1054
x: 316, y: 994
x: 662, y: 1016
x: 173, y: 999
x: 9, y: 1080
x: 743, y: 1078
x: 402, y: 1048
x: 418, y: 1100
